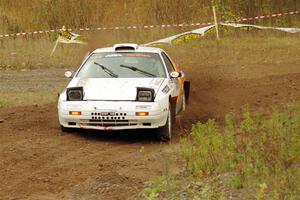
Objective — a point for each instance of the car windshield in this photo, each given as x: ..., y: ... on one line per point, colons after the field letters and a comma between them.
x: 122, y: 65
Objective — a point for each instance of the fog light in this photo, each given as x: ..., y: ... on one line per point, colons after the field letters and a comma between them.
x: 74, y: 113
x: 141, y: 114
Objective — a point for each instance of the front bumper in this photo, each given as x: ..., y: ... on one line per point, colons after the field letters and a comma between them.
x: 112, y: 115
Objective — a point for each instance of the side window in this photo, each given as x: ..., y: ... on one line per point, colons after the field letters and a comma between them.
x: 168, y: 63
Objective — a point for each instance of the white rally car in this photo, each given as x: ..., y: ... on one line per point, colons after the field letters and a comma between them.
x: 126, y: 86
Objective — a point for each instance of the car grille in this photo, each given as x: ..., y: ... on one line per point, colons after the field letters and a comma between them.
x: 107, y: 118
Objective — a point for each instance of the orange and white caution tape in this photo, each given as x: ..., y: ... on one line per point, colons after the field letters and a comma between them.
x: 264, y: 17
x: 150, y: 26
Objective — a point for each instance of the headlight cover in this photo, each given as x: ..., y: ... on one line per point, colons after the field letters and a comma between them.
x: 75, y: 94
x: 145, y: 94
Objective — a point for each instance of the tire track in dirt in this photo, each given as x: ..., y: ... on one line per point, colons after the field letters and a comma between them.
x: 39, y: 160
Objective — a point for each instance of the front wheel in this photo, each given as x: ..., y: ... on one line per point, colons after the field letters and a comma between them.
x: 165, y: 132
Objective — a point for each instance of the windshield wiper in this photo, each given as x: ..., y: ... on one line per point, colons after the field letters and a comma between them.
x: 138, y: 70
x: 108, y: 71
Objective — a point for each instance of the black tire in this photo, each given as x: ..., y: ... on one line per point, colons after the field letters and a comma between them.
x: 66, y: 130
x: 165, y: 132
x: 187, y: 86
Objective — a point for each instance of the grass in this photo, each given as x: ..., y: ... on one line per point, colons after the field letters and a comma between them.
x: 32, y: 53
x: 2, y: 104
x: 45, y: 14
x: 242, y: 48
x: 9, y: 99
x: 257, y: 158
x: 236, y: 48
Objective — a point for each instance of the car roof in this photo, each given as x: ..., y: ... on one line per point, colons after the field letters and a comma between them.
x: 133, y: 48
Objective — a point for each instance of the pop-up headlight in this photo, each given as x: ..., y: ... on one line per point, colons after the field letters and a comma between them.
x: 145, y: 94
x: 75, y: 94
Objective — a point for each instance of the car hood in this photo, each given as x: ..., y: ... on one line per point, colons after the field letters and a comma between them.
x: 114, y: 88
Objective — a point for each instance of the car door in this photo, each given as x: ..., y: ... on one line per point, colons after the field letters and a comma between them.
x: 175, y: 83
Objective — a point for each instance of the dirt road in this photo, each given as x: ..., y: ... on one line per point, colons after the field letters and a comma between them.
x: 37, y: 161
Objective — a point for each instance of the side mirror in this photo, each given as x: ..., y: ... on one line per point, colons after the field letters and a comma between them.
x: 69, y: 74
x: 175, y: 74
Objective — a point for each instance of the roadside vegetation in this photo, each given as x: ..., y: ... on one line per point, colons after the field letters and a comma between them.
x: 255, y: 158
x: 33, y: 51
x: 51, y: 14
x: 236, y: 47
x: 35, y: 96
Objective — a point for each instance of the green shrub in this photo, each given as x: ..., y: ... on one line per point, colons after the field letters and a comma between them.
x: 2, y: 104
x: 257, y: 151
x: 256, y: 158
